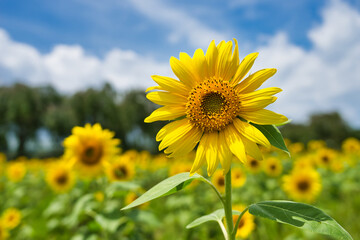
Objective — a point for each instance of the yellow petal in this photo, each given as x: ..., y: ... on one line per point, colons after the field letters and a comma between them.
x: 244, y: 67
x: 212, y: 152
x: 211, y: 58
x: 173, y: 136
x: 252, y: 149
x: 264, y: 117
x: 257, y: 103
x: 224, y: 62
x: 200, y: 155
x: 224, y: 154
x: 153, y: 88
x: 171, y: 85
x: 250, y: 132
x: 166, y: 113
x: 254, y: 81
x: 260, y: 93
x: 166, y: 98
x: 183, y: 72
x: 169, y: 128
x: 234, y: 142
x: 185, y: 144
x: 199, y: 64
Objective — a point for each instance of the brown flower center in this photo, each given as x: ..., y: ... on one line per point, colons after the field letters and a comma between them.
x: 91, y: 155
x: 303, y: 185
x: 212, y: 105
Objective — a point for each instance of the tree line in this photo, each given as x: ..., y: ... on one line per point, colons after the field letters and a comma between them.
x: 27, y: 111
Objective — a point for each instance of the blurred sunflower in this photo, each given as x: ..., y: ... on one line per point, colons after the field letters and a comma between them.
x: 99, y: 196
x: 314, y: 145
x: 180, y: 167
x: 238, y: 177
x: 90, y: 147
x: 351, y: 146
x: 246, y: 224
x: 304, y: 162
x: 212, y: 106
x: 60, y: 177
x: 218, y: 180
x: 302, y: 185
x: 253, y: 165
x: 120, y: 169
x: 272, y: 166
x: 325, y: 157
x: 11, y: 218
x: 296, y: 148
x: 15, y: 171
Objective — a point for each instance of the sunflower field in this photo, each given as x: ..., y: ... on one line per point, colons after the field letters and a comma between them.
x: 79, y: 195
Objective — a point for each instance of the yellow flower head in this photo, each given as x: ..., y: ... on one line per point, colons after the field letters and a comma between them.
x: 99, y: 196
x: 305, y: 162
x: 121, y: 169
x: 90, y: 147
x: 315, y: 145
x: 253, y: 165
x: 212, y: 105
x: 60, y: 177
x: 246, y: 224
x: 296, y: 148
x: 11, y: 218
x: 325, y: 157
x: 302, y: 184
x: 16, y: 171
x: 351, y: 146
x: 218, y: 179
x: 238, y: 177
x: 272, y: 166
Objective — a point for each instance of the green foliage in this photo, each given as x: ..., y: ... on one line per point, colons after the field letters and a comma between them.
x: 216, y: 216
x: 273, y: 135
x: 300, y: 215
x: 166, y: 187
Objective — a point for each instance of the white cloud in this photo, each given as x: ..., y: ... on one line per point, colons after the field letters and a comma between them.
x: 183, y: 26
x: 324, y: 78
x: 69, y: 68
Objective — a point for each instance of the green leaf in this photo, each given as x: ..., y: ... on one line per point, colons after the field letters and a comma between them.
x: 217, y: 216
x: 300, y: 215
x: 274, y: 136
x: 168, y: 186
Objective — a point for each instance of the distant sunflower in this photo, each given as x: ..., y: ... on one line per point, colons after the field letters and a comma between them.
x: 11, y: 218
x: 238, y: 177
x: 272, y: 166
x: 90, y: 147
x: 120, y: 169
x: 60, y: 177
x: 351, y: 146
x: 246, y: 224
x: 99, y: 196
x: 15, y: 171
x: 213, y: 105
x: 302, y: 185
x: 325, y: 157
x: 314, y: 145
x: 253, y: 165
x: 132, y: 196
x: 218, y: 180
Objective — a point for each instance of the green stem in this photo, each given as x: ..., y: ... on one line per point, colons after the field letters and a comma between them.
x: 228, y: 206
x: 238, y: 221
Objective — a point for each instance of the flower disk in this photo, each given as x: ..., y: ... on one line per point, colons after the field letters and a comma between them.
x: 213, y: 105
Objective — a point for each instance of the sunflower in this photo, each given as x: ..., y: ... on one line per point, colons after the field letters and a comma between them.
x: 16, y: 171
x: 351, y: 145
x: 60, y: 177
x: 253, y: 165
x: 90, y: 147
x: 272, y: 166
x: 11, y: 218
x: 302, y: 184
x: 238, y: 177
x: 121, y: 169
x: 325, y: 157
x: 213, y: 106
x: 99, y: 196
x: 314, y: 145
x: 218, y: 180
x: 246, y: 224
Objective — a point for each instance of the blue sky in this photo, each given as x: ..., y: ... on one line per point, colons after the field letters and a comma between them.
x: 315, y: 45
